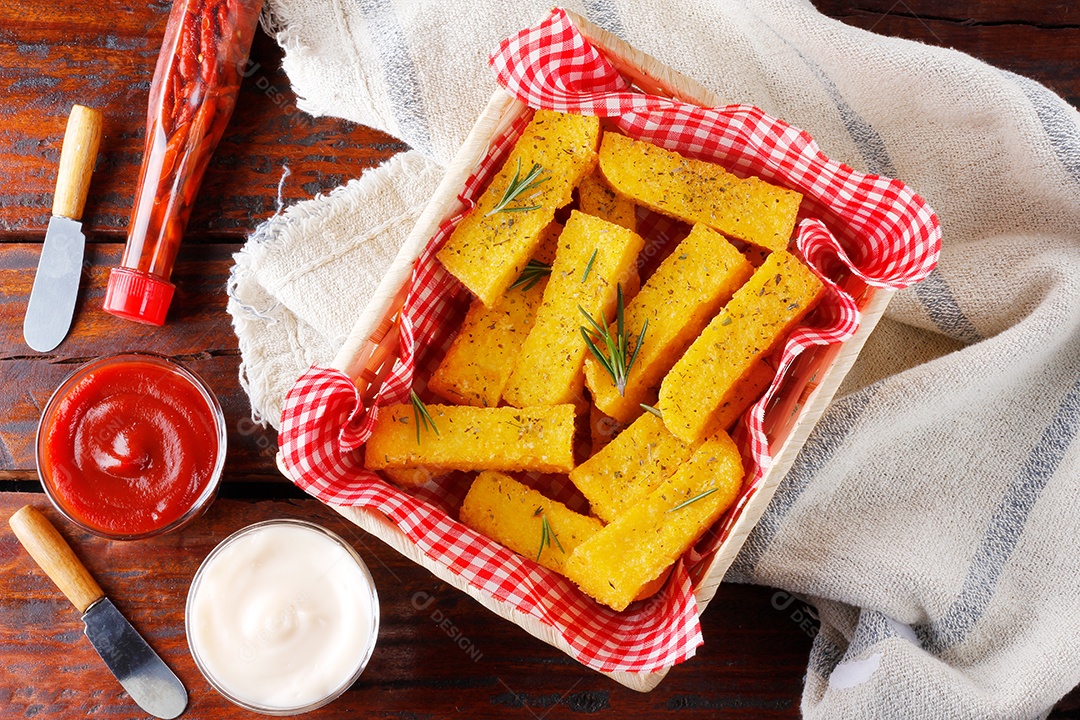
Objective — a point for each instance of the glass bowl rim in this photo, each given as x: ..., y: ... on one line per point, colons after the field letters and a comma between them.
x: 364, y: 659
x: 209, y: 492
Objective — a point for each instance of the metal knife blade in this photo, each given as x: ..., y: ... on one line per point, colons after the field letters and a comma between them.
x: 147, y: 679
x: 138, y: 668
x: 56, y: 285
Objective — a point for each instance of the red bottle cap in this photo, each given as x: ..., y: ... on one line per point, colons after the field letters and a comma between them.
x: 138, y: 296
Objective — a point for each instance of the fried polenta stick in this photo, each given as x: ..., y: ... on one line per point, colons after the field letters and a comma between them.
x: 640, y: 544
x: 475, y: 369
x: 491, y: 245
x: 595, y: 197
x: 745, y: 393
x: 602, y: 429
x: 594, y: 258
x: 696, y: 191
x: 515, y: 515
x: 757, y: 317
x: 410, y: 477
x: 629, y: 467
x: 549, y: 244
x: 677, y: 302
x: 472, y: 438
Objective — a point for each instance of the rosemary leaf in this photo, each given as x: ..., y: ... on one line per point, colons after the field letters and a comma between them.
x: 546, y: 536
x: 517, y: 187
x: 637, y: 347
x: 693, y: 500
x: 545, y: 541
x: 555, y: 538
x: 534, y: 272
x: 616, y: 358
x: 421, y: 415
x: 523, y: 208
x: 588, y: 266
x: 650, y: 408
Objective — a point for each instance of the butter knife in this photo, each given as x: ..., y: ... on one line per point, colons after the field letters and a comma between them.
x: 147, y: 679
x: 56, y: 283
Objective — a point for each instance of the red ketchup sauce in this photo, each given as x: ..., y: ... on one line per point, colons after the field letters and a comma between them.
x: 131, y: 445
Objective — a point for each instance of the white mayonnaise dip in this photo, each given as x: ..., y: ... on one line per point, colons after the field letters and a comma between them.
x: 282, y: 615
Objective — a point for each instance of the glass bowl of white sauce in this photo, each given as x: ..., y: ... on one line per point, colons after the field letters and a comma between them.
x: 282, y: 617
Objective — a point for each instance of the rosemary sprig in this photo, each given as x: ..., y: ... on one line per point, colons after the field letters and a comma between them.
x: 650, y: 408
x: 588, y: 266
x: 618, y: 360
x: 421, y: 415
x: 693, y: 500
x: 546, y: 536
x: 534, y: 272
x: 519, y: 185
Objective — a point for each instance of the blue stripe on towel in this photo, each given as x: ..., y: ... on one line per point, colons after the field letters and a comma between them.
x: 400, y: 76
x: 605, y: 14
x: 825, y: 654
x: 867, y: 140
x: 1005, y: 528
x: 934, y: 294
x: 823, y: 442
x: 1059, y: 122
x: 873, y: 627
x: 943, y: 309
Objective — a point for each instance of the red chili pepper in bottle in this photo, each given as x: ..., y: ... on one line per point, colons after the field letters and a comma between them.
x: 196, y: 81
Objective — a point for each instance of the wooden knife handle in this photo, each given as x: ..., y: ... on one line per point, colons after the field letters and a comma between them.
x: 77, y: 156
x: 55, y: 556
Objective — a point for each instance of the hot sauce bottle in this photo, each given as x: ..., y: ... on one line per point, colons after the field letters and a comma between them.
x: 196, y: 81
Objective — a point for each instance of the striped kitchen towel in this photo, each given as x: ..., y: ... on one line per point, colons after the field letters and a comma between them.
x: 931, y: 517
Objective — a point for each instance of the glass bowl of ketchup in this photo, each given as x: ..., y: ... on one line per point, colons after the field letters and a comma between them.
x: 131, y: 446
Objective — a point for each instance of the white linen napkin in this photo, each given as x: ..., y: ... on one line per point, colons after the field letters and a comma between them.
x: 932, y: 516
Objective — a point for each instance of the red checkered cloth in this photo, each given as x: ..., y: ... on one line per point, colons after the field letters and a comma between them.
x: 854, y: 224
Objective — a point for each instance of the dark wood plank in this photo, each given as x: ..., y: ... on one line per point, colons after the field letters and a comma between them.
x: 439, y: 651
x: 1039, y: 40
x: 198, y: 333
x: 54, y: 54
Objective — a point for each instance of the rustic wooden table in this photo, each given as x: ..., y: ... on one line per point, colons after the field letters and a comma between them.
x: 101, y: 54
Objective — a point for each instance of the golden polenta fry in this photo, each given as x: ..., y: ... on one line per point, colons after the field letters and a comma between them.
x: 410, y: 477
x: 745, y: 393
x: 595, y: 197
x: 757, y: 317
x: 629, y: 467
x: 594, y: 258
x: 677, y: 302
x: 475, y: 369
x: 602, y: 429
x: 549, y: 244
x: 525, y: 521
x: 640, y: 544
x: 490, y: 246
x: 459, y: 437
x: 696, y: 191
x: 633, y: 284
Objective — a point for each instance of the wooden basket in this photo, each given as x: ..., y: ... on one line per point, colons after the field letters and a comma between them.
x: 370, y: 350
